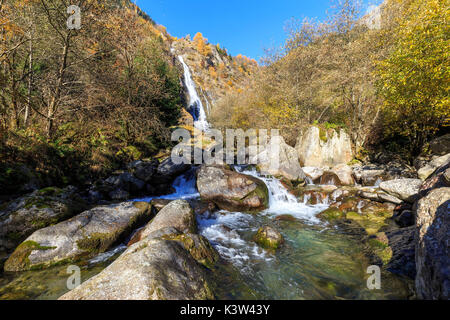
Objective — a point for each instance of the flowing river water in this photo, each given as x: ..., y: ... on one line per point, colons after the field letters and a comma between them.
x: 317, y: 261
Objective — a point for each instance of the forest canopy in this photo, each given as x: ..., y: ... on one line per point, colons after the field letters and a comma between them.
x: 383, y: 76
x: 75, y: 103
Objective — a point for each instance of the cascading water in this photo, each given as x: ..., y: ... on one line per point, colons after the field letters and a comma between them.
x: 195, y: 104
x: 281, y: 201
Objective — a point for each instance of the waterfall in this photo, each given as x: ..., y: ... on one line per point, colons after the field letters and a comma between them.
x: 195, y: 104
x: 281, y: 201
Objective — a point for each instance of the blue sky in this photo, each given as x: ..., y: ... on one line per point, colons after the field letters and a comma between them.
x: 241, y: 26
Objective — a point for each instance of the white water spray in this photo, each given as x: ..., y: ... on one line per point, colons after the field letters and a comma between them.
x: 195, y: 103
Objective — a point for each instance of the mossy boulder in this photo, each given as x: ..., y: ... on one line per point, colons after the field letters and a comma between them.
x: 198, y: 246
x: 331, y: 214
x: 152, y: 269
x: 371, y: 222
x: 268, y: 238
x: 21, y: 217
x: 232, y: 191
x: 379, y: 244
x: 177, y: 214
x: 83, y: 236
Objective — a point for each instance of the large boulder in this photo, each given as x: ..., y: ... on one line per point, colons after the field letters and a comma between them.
x: 152, y: 269
x: 83, y: 236
x: 232, y: 191
x: 344, y: 173
x: 369, y: 175
x: 268, y: 238
x: 177, y: 214
x: 437, y: 180
x: 313, y: 173
x: 167, y: 171
x: 404, y: 189
x: 432, y: 166
x: 143, y: 170
x: 21, y: 217
x: 432, y: 247
x: 287, y: 159
x: 321, y: 148
x: 441, y: 145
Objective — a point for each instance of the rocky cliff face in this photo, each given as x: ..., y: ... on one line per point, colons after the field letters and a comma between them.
x: 432, y: 248
x: 214, y: 71
x: 317, y: 147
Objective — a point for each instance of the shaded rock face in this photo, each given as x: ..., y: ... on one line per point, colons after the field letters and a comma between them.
x: 432, y: 247
x: 268, y: 238
x: 402, y: 244
x: 177, y: 214
x: 286, y: 157
x: 404, y: 189
x: 167, y: 171
x: 441, y: 145
x: 152, y: 269
x: 438, y: 179
x: 432, y: 166
x: 321, y: 149
x: 143, y: 170
x: 23, y: 216
x: 85, y: 235
x: 330, y: 178
x: 232, y: 191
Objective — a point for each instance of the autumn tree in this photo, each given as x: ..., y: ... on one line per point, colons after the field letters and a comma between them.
x: 413, y: 79
x: 202, y: 44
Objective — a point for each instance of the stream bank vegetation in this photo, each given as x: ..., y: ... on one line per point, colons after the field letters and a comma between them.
x: 75, y: 104
x: 383, y: 76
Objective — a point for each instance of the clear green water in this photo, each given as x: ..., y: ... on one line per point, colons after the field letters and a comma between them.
x: 314, y: 263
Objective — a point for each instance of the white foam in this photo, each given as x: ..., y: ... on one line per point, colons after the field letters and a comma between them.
x: 200, y: 122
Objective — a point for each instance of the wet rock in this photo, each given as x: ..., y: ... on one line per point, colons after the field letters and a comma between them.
x: 202, y: 207
x: 404, y: 189
x: 119, y: 195
x: 317, y: 147
x: 85, y: 235
x: 158, y: 204
x: 330, y: 178
x: 331, y: 214
x: 177, y: 214
x: 432, y: 248
x: 268, y: 238
x: 371, y: 218
x: 198, y: 246
x: 432, y: 166
x: 285, y: 217
x: 232, y: 191
x: 21, y: 217
x: 152, y: 269
x: 313, y: 194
